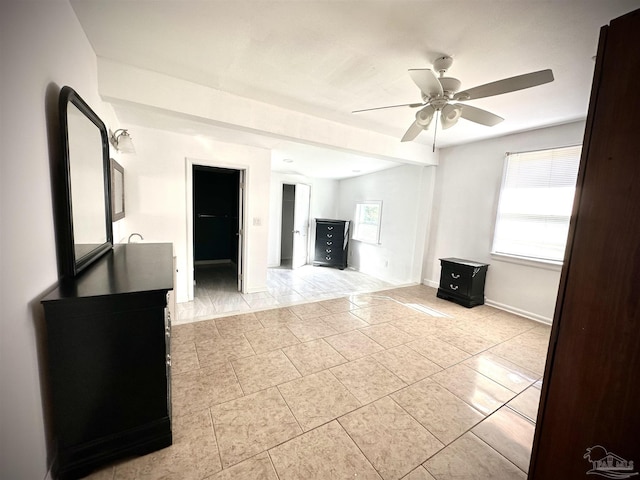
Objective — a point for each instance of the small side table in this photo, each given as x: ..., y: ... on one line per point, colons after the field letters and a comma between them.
x: 462, y: 281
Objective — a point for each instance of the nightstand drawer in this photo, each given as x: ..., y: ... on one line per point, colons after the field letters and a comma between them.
x: 454, y: 281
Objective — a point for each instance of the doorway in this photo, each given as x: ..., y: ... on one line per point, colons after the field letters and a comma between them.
x: 217, y: 220
x: 294, y: 234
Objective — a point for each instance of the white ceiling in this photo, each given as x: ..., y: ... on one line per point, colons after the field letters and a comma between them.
x: 327, y: 58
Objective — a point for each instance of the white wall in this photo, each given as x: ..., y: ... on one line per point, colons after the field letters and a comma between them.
x: 323, y: 204
x: 156, y: 193
x: 43, y: 49
x: 467, y: 189
x: 406, y: 194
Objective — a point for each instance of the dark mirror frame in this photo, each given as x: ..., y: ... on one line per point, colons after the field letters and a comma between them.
x: 71, y: 266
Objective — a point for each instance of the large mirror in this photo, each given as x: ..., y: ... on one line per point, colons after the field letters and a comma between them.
x: 85, y: 204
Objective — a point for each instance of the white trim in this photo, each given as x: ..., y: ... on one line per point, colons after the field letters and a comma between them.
x: 529, y: 262
x: 520, y: 312
x: 430, y: 283
x: 502, y: 306
x: 189, y: 163
x: 257, y: 290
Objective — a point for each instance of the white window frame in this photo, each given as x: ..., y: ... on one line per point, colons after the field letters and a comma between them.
x: 543, y: 223
x: 358, y: 232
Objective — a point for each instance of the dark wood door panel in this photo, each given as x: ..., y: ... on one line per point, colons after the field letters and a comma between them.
x: 591, y: 394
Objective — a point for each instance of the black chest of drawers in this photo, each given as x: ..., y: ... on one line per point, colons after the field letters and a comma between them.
x: 332, y: 243
x: 108, y: 355
x: 462, y: 281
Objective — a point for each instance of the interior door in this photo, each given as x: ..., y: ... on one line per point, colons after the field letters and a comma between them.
x: 240, y: 233
x: 301, y: 225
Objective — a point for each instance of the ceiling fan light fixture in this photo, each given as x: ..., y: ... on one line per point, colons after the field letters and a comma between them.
x: 424, y: 116
x: 450, y: 115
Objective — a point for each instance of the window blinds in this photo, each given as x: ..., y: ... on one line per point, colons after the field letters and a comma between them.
x: 535, y: 203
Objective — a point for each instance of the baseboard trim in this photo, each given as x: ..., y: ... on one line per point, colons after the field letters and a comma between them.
x: 519, y: 311
x: 502, y: 306
x: 257, y: 289
x: 430, y: 283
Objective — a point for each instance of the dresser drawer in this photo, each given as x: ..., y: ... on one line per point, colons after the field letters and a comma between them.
x: 329, y: 231
x: 324, y: 252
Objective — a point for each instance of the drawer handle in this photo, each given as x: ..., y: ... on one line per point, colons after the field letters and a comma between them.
x: 329, y: 235
x: 168, y: 359
x: 453, y: 287
x: 328, y: 257
x: 167, y: 331
x: 454, y: 276
x: 329, y: 243
x: 329, y: 228
x: 328, y: 250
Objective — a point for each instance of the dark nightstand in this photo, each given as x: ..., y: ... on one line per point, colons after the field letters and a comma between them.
x: 462, y: 281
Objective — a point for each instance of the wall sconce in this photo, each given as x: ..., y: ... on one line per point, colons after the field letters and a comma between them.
x: 121, y: 140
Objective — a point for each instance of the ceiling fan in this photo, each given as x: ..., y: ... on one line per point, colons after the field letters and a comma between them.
x: 440, y: 94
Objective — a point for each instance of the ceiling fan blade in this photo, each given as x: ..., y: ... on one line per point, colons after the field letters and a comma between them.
x: 506, y: 85
x: 480, y: 116
x: 412, y: 132
x: 412, y: 105
x: 450, y: 115
x: 426, y: 81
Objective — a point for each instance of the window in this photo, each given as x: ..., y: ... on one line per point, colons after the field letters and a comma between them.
x: 535, y: 204
x: 367, y: 224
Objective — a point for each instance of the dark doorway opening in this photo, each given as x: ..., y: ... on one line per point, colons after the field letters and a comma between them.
x: 288, y: 208
x: 216, y: 213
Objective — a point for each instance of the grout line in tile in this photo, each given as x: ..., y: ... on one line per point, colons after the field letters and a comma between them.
x: 272, y: 464
x: 290, y: 410
x: 215, y: 435
x: 356, y: 443
x: 423, y: 426
x: 499, y: 453
x: 520, y: 414
x: 237, y: 379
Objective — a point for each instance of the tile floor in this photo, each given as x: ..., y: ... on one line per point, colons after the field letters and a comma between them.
x: 216, y: 292
x: 364, y: 386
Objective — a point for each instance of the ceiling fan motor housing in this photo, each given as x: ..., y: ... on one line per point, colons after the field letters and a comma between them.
x: 442, y: 64
x: 450, y: 85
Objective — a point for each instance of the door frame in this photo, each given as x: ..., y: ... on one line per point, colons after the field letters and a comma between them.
x: 308, y: 227
x: 242, y: 252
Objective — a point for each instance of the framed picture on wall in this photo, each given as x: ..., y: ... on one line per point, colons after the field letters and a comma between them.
x: 117, y: 191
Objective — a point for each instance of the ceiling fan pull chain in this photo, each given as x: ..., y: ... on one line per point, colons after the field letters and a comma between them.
x: 435, y: 131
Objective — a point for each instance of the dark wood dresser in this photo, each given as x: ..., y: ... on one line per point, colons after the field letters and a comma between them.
x: 588, y: 423
x: 108, y: 354
x: 332, y: 243
x: 462, y: 281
